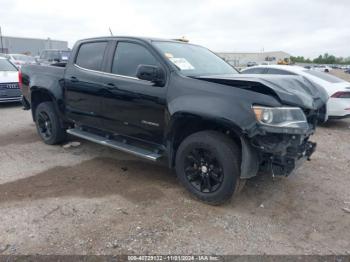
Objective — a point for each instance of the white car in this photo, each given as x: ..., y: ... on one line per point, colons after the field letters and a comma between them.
x: 322, y: 68
x: 19, y: 60
x: 338, y: 105
x: 9, y: 82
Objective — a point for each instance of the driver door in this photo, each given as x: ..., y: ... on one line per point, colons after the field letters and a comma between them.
x: 131, y: 106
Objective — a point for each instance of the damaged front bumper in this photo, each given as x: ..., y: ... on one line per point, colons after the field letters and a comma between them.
x: 278, y: 164
x: 276, y: 154
x: 278, y: 151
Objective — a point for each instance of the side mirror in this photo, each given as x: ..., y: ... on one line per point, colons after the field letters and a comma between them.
x: 151, y: 73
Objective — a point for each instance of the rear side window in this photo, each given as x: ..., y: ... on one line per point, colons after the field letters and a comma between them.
x: 90, y: 55
x: 129, y: 56
x: 52, y: 55
x: 256, y: 70
x: 324, y: 76
x: 5, y: 65
x: 275, y: 71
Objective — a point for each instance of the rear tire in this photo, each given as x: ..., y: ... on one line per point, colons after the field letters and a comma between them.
x: 207, y: 164
x: 48, y: 124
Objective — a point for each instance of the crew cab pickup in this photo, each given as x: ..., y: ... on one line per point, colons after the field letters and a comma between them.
x: 180, y: 104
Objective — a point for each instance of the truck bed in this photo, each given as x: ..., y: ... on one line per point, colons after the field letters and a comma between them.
x: 42, y: 76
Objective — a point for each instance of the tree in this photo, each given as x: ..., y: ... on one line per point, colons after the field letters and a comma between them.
x: 321, y: 59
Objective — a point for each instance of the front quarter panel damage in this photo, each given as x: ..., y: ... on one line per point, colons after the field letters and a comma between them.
x: 262, y: 149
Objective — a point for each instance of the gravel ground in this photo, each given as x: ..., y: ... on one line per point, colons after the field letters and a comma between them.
x: 93, y: 200
x: 341, y: 74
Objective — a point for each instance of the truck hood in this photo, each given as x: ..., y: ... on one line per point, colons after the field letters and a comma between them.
x: 290, y: 90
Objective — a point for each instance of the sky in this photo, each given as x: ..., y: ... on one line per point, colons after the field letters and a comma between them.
x: 299, y: 27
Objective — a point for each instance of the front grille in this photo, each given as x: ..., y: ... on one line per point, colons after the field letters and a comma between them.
x: 9, y: 86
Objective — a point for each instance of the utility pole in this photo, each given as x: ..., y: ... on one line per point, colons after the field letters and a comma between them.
x: 2, y: 45
x: 110, y: 30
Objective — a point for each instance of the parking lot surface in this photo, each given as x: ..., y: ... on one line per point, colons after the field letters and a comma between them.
x: 90, y: 199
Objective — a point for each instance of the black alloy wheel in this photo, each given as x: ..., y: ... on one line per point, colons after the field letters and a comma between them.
x: 208, y: 164
x: 203, y: 170
x: 48, y: 124
x: 44, y: 125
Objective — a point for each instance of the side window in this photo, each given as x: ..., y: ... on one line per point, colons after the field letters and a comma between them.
x: 275, y: 71
x: 256, y: 70
x: 52, y: 55
x: 128, y: 56
x: 90, y: 55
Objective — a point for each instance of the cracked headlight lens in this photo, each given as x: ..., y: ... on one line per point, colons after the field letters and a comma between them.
x: 284, y: 117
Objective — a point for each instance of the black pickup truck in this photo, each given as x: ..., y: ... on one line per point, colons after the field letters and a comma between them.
x: 180, y: 104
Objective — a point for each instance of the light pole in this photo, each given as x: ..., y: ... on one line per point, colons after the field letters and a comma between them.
x: 2, y: 46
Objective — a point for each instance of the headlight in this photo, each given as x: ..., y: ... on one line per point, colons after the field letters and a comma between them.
x: 281, y: 117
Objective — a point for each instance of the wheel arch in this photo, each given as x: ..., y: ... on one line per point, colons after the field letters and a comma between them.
x: 183, y: 124
x: 39, y: 95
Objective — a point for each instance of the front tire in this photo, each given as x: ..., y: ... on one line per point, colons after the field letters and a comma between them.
x: 48, y: 124
x: 207, y: 164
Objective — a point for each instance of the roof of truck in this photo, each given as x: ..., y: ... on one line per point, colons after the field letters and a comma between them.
x: 148, y: 39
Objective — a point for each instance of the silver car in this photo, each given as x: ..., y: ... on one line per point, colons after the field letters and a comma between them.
x: 9, y: 82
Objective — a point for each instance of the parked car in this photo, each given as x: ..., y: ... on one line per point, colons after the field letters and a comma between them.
x: 338, y: 105
x: 180, y: 104
x: 249, y: 64
x: 19, y: 60
x: 52, y: 56
x: 9, y: 82
x: 322, y: 68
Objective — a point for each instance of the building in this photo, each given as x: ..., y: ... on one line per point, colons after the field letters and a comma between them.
x: 30, y: 46
x: 242, y: 59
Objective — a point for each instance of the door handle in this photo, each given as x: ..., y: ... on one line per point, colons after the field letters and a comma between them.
x: 110, y: 86
x: 74, y: 79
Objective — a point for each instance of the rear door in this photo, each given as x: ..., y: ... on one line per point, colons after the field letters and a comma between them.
x: 83, y: 84
x: 133, y: 107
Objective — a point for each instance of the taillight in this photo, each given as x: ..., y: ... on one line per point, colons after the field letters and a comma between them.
x: 341, y: 94
x: 20, y: 79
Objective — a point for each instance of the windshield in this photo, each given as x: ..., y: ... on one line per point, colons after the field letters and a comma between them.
x: 194, y: 60
x: 324, y: 76
x: 5, y: 65
x: 24, y: 58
